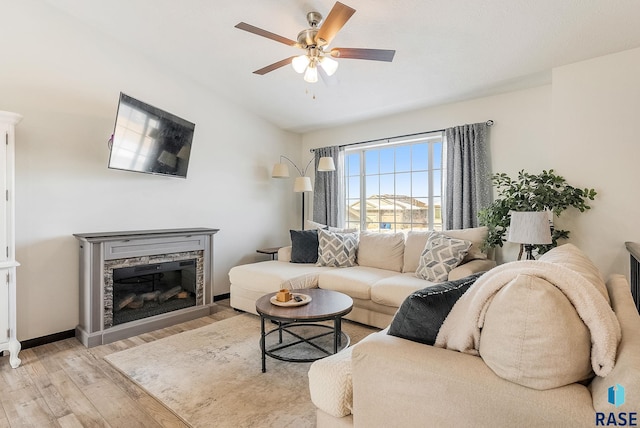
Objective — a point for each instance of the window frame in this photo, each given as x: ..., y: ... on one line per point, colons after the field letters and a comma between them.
x: 431, y: 139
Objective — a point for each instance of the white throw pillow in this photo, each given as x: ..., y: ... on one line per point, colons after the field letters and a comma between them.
x: 440, y: 255
x: 337, y: 249
x: 381, y: 250
x: 533, y: 336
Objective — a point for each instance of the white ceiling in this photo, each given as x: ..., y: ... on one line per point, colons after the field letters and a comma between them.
x: 446, y: 50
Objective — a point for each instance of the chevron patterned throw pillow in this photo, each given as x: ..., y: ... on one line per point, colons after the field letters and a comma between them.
x: 440, y: 255
x: 337, y: 249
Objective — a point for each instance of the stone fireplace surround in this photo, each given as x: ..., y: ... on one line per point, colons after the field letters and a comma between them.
x: 100, y: 253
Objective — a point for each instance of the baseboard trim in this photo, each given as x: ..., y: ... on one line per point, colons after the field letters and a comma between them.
x: 221, y: 296
x: 32, y: 343
x: 44, y: 340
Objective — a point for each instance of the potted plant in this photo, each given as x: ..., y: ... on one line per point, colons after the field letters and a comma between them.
x: 531, y: 192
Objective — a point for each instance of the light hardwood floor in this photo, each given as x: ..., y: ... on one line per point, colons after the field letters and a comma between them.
x: 63, y: 384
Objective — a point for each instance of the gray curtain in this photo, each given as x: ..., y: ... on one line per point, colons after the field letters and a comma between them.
x: 468, y: 181
x: 328, y: 189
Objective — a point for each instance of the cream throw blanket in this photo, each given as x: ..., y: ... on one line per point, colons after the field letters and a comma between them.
x: 461, y: 329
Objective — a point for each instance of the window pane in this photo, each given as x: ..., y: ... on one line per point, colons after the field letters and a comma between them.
x: 371, y: 162
x: 353, y: 187
x: 386, y: 160
x: 420, y: 184
x: 403, y: 184
x: 403, y: 158
x: 437, y: 222
x: 372, y: 183
x: 353, y: 210
x: 437, y: 155
x: 387, y: 184
x: 420, y: 157
x: 352, y: 164
x: 437, y: 183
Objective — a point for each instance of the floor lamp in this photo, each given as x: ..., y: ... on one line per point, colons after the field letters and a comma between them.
x: 529, y: 228
x: 301, y: 184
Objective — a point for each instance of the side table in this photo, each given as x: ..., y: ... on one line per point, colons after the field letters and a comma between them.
x: 272, y: 251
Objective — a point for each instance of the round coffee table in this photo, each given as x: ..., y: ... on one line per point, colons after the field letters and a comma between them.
x: 325, y: 305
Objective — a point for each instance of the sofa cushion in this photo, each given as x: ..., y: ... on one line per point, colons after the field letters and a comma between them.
x: 440, y: 256
x: 533, y: 336
x: 381, y: 250
x: 355, y: 282
x: 416, y: 242
x: 330, y: 384
x: 304, y: 246
x: 423, y: 312
x: 393, y: 290
x: 337, y: 249
x: 272, y: 275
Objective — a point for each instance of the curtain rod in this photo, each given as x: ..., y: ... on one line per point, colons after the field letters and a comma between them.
x: 488, y: 123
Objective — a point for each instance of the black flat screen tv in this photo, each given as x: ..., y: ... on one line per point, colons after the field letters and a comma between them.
x: 149, y: 140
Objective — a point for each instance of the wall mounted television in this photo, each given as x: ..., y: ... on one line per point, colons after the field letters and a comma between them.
x: 150, y: 140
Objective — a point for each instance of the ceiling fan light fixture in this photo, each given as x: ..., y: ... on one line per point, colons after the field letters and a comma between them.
x: 311, y: 75
x: 329, y: 65
x: 300, y: 63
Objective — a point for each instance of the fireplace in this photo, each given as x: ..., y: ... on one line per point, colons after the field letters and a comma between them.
x: 145, y: 290
x: 134, y: 282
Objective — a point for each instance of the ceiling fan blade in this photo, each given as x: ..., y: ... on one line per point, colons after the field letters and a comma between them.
x: 358, y: 53
x: 274, y: 66
x: 339, y: 15
x: 264, y: 33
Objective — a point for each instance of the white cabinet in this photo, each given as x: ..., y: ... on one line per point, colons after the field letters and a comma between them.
x: 8, y: 336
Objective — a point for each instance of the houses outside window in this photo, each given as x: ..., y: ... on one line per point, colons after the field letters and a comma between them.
x: 396, y: 186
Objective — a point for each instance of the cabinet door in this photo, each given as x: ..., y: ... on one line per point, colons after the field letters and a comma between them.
x: 4, y: 305
x: 4, y: 206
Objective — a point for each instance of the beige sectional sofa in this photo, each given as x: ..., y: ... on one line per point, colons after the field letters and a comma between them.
x: 524, y: 378
x: 383, y: 278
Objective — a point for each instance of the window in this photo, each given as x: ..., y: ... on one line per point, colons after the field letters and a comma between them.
x: 396, y: 186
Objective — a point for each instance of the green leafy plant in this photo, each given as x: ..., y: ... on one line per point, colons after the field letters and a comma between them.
x: 531, y: 192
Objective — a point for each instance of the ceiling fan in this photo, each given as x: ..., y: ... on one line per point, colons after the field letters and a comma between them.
x: 315, y: 40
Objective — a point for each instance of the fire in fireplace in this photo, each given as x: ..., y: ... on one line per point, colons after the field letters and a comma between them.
x: 146, y: 290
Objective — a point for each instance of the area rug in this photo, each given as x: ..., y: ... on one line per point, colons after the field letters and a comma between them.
x: 211, y: 376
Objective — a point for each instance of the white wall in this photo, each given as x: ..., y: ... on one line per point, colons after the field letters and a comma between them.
x: 65, y: 80
x: 583, y: 125
x: 596, y: 106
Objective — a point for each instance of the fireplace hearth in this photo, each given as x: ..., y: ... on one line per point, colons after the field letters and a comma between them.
x: 135, y: 282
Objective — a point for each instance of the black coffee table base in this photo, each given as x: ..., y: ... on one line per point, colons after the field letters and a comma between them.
x: 300, y: 333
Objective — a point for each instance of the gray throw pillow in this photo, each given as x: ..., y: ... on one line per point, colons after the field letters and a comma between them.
x: 440, y: 255
x: 337, y: 249
x: 304, y: 246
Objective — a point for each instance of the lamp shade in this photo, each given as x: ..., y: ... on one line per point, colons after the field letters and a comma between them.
x: 300, y: 63
x: 529, y: 227
x: 329, y: 65
x: 302, y: 184
x: 326, y: 164
x: 280, y: 170
x: 311, y: 75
